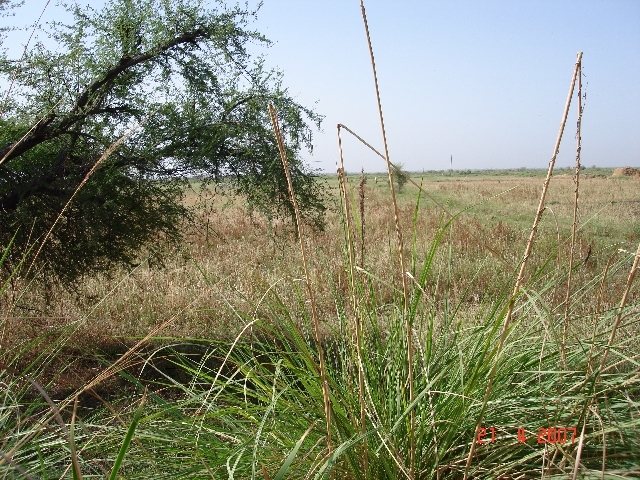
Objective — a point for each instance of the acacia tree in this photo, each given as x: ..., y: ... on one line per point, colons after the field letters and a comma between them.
x: 184, y: 68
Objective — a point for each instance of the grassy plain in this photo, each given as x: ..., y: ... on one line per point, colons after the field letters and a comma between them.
x: 235, y: 270
x: 231, y: 258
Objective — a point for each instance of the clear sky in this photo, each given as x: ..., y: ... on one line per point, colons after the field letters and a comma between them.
x: 484, y: 81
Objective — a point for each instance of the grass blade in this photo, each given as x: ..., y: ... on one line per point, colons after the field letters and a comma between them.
x: 127, y: 439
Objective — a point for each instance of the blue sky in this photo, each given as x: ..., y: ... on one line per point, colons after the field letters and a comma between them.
x: 484, y: 81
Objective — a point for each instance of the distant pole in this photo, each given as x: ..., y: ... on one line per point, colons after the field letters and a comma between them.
x: 451, y: 165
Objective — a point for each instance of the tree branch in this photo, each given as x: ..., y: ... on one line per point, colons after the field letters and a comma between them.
x: 45, y: 130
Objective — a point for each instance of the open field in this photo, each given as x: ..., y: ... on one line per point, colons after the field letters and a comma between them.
x: 234, y: 270
x: 232, y: 259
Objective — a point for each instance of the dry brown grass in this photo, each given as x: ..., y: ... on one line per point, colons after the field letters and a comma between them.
x: 220, y: 275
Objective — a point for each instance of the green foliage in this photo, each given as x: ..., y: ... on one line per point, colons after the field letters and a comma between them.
x: 181, y: 69
x: 400, y: 177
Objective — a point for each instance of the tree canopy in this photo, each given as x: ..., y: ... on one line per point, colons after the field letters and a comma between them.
x: 181, y: 68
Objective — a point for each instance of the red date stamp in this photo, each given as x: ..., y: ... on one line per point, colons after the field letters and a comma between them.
x: 556, y: 435
x: 549, y: 435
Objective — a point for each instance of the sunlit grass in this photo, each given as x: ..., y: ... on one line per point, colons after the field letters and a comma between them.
x: 248, y: 403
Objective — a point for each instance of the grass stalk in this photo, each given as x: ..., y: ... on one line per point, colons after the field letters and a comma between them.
x: 576, y: 180
x: 354, y: 300
x: 523, y: 264
x: 396, y: 212
x: 72, y: 442
x: 363, y: 180
x: 316, y: 323
x: 405, y: 280
x: 603, y: 282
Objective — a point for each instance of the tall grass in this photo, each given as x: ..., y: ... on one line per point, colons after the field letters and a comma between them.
x: 255, y: 407
x: 527, y: 253
x: 403, y: 276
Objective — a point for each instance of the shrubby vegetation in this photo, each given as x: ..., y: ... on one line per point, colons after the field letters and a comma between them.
x: 182, y: 74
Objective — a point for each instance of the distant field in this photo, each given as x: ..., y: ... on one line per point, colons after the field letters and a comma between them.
x: 229, y: 261
x: 434, y: 175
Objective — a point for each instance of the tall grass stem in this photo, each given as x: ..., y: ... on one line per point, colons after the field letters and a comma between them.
x: 316, y: 323
x: 363, y: 180
x: 576, y: 180
x: 405, y: 281
x: 523, y: 264
x: 354, y: 300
